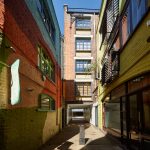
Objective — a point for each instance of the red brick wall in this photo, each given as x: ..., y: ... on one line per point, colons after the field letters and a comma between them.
x: 1, y: 14
x: 69, y: 90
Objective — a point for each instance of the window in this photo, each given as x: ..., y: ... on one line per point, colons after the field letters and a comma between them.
x: 134, y: 116
x: 109, y: 21
x: 134, y: 13
x: 46, y: 18
x: 146, y: 109
x: 83, y: 89
x: 83, y: 23
x: 112, y: 115
x: 106, y: 73
x: 82, y: 65
x: 138, y: 10
x: 46, y: 102
x: 112, y: 11
x: 125, y: 29
x: 123, y: 116
x: 114, y: 64
x: 83, y: 44
x: 46, y: 65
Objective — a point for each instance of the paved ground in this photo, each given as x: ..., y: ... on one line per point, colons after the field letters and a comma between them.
x: 68, y: 139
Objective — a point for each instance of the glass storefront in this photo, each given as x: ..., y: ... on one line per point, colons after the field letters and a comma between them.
x: 123, y: 117
x: 133, y: 121
x: 146, y: 118
x: 127, y: 112
x: 146, y: 110
x: 112, y: 115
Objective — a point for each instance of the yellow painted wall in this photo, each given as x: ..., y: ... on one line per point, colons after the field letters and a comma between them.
x: 27, y: 128
x: 100, y: 53
x: 3, y: 86
x: 50, y: 127
x: 53, y: 124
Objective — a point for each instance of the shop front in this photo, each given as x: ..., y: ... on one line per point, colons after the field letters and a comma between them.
x: 126, y: 112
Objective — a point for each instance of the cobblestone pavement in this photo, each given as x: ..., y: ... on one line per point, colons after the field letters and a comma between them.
x: 68, y: 139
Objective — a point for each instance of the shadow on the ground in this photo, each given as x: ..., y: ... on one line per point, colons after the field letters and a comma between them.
x: 103, y: 143
x: 60, y: 140
x: 65, y: 146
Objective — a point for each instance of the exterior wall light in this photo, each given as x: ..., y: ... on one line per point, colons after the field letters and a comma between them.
x: 148, y: 39
x: 148, y: 23
x: 30, y: 89
x: 10, y: 47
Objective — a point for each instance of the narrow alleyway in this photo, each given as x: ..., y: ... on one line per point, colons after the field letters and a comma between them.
x: 68, y: 139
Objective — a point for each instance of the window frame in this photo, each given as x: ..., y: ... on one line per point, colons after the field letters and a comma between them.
x: 83, y: 23
x: 134, y: 13
x: 85, y: 87
x: 81, y: 67
x: 47, y: 19
x: 49, y: 105
x: 83, y: 44
x: 45, y: 64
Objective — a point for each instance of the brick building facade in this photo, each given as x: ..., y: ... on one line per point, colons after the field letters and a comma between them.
x: 79, y: 55
x: 30, y: 74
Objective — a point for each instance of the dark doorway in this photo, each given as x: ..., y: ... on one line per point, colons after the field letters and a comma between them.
x: 63, y: 118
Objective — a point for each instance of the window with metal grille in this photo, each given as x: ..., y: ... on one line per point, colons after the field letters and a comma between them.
x: 105, y: 72
x: 83, y: 23
x: 82, y: 65
x: 114, y: 64
x: 47, y: 19
x: 83, y: 44
x: 109, y: 19
x: 83, y: 89
x: 45, y: 64
x: 46, y: 102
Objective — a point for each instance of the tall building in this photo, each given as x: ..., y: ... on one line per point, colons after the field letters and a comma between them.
x: 79, y: 56
x: 30, y: 74
x: 124, y: 53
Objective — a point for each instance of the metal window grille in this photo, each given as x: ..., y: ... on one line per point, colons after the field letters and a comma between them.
x: 47, y: 19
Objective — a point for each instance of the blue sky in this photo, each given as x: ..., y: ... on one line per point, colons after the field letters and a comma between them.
x: 58, y: 4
